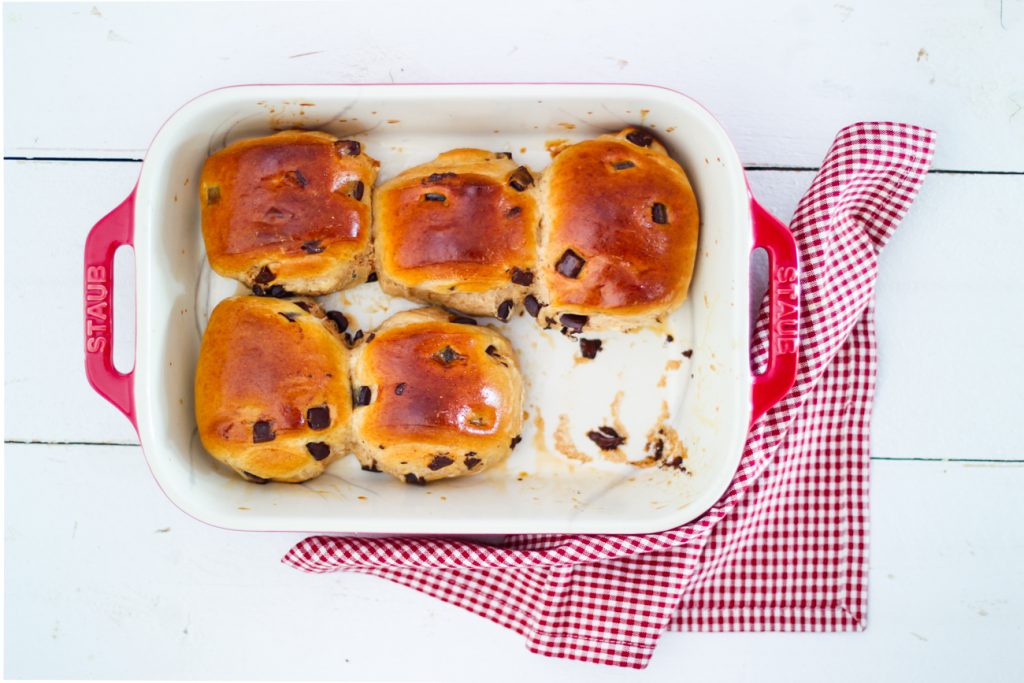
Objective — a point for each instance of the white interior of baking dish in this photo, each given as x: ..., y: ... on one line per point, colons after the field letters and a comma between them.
x: 538, y: 489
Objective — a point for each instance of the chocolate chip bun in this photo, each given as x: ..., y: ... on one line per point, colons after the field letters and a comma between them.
x: 459, y: 231
x: 272, y: 390
x: 435, y: 398
x: 289, y: 212
x: 619, y: 235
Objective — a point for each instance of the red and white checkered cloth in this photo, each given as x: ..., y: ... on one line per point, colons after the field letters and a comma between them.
x: 785, y: 548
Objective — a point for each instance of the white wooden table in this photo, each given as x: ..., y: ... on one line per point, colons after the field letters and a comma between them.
x: 105, y: 578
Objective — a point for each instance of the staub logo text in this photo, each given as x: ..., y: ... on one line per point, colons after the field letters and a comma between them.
x: 97, y: 309
x: 785, y: 314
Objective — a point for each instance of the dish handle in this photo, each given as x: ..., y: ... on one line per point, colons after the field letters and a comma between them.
x: 115, y: 229
x: 774, y: 237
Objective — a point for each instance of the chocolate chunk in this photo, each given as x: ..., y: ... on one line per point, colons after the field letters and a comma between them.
x: 275, y: 291
x: 503, y: 155
x: 520, y: 179
x: 669, y: 338
x: 688, y: 353
x: 659, y: 214
x: 296, y: 178
x: 411, y: 478
x: 515, y: 441
x: 532, y: 305
x: 339, y: 320
x: 249, y: 476
x: 505, y: 310
x: 573, y: 322
x: 357, y: 190
x: 606, y: 438
x: 318, y: 417
x: 437, y: 178
x: 372, y: 277
x: 353, y: 339
x: 213, y: 194
x: 290, y: 317
x: 440, y: 460
x: 318, y: 449
x: 570, y: 264
x: 400, y: 389
x: 372, y: 467
x: 362, y: 397
x: 348, y: 148
x: 303, y: 305
x: 522, y: 277
x: 513, y: 212
x: 640, y: 138
x: 590, y: 347
x: 266, y: 275
x: 462, y: 320
x: 434, y: 197
x: 370, y: 337
x: 471, y: 461
x: 623, y: 165
x: 312, y: 247
x: 492, y: 351
x: 261, y: 432
x: 448, y: 355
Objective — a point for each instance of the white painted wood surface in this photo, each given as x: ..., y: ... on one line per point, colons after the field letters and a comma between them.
x: 105, y: 578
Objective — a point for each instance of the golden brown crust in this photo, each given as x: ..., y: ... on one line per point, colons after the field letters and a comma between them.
x: 444, y: 399
x: 271, y: 362
x: 291, y: 209
x: 627, y: 211
x: 456, y: 230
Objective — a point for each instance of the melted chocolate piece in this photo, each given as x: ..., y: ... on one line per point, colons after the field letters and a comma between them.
x: 440, y: 461
x: 590, y: 347
x: 515, y: 441
x: 437, y: 178
x: 400, y: 389
x: 505, y: 310
x: 659, y: 214
x: 411, y: 478
x: 348, y: 148
x: 471, y: 461
x: 623, y: 165
x: 249, y: 476
x: 447, y: 356
x: 606, y: 438
x: 462, y: 320
x: 522, y: 277
x: 532, y: 305
x: 265, y: 276
x: 262, y: 432
x: 573, y: 321
x: 362, y: 397
x: 372, y: 467
x: 688, y: 353
x: 520, y: 179
x: 290, y: 317
x: 339, y: 320
x: 357, y: 190
x: 303, y: 305
x: 570, y: 264
x: 213, y: 194
x: 513, y: 212
x: 318, y: 449
x: 318, y: 417
x: 434, y: 197
x: 640, y: 138
x: 312, y: 247
x: 372, y: 277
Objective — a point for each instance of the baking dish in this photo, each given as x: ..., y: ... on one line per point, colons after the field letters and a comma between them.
x: 691, y: 378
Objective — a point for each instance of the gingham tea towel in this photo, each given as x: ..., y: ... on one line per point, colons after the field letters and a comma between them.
x: 785, y: 548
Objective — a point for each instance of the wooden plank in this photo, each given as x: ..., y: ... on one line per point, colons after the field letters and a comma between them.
x: 783, y: 77
x: 105, y: 578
